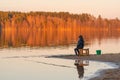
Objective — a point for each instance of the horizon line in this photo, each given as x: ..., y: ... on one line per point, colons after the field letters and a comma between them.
x: 58, y: 12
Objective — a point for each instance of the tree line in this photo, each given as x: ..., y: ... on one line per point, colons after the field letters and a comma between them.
x: 55, y: 17
x: 47, y: 28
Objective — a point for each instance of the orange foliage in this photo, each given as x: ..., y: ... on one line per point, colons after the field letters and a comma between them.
x: 50, y: 29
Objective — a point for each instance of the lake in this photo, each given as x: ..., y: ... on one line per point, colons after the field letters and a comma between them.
x: 23, y: 53
x: 27, y: 63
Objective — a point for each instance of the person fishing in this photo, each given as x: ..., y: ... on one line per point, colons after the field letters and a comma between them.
x: 80, y: 45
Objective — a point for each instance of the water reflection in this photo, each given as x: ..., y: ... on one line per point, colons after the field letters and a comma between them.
x: 34, y: 65
x: 80, y: 66
x: 52, y: 64
x: 27, y: 36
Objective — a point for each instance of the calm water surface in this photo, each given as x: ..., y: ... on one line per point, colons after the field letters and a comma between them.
x: 32, y: 64
x: 110, y: 46
x: 21, y: 63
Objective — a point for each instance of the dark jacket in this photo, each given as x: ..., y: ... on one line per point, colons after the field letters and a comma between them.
x: 80, y: 43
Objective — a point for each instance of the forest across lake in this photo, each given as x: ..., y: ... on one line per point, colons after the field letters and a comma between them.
x: 37, y: 29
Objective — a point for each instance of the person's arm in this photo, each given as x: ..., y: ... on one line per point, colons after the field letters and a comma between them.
x: 78, y: 42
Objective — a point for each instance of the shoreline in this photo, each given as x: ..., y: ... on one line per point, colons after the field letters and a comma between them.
x: 108, y: 74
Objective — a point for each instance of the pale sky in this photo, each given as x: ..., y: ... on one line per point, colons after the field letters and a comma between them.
x: 106, y: 8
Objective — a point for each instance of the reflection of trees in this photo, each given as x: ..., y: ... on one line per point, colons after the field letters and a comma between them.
x: 51, y: 37
x: 51, y: 29
x: 0, y: 29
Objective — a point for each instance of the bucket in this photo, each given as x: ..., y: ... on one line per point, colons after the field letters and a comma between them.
x: 98, y: 52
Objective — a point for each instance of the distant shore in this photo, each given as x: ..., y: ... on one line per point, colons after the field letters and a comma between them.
x: 109, y: 74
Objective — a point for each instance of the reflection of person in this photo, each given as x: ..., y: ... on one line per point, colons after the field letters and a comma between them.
x: 80, y: 45
x: 80, y: 70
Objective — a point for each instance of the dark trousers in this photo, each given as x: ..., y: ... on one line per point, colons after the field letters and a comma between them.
x: 76, y: 51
